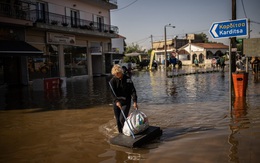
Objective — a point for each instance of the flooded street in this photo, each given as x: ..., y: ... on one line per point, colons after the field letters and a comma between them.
x: 76, y: 123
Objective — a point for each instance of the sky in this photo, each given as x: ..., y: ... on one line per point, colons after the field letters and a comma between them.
x: 141, y: 21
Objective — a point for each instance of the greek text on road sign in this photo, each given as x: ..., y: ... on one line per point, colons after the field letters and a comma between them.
x: 233, y: 28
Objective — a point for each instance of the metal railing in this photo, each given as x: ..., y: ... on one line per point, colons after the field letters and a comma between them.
x: 37, y: 16
x: 112, y: 1
x: 14, y: 11
x: 67, y: 21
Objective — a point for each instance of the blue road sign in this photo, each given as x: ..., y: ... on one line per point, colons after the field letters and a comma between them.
x: 232, y: 28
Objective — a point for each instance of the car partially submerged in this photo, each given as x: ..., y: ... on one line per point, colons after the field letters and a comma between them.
x: 126, y: 64
x: 146, y: 62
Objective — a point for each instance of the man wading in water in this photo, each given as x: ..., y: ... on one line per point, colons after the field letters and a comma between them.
x: 123, y: 90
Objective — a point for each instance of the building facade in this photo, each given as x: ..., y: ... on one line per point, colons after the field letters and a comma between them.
x: 74, y: 37
x: 188, y: 49
x: 204, y: 52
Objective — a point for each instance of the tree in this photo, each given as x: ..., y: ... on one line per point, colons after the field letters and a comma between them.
x: 203, y: 37
x: 131, y: 49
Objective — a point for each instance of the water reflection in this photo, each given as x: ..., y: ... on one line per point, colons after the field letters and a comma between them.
x: 192, y: 110
x: 152, y: 87
x: 80, y: 93
x: 239, y: 122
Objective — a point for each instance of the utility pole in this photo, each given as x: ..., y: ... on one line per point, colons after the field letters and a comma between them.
x: 232, y: 56
x: 233, y: 39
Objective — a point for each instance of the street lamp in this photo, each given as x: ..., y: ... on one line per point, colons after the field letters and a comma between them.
x: 165, y: 46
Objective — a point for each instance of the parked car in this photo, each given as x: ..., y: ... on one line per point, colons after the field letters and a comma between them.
x: 146, y: 62
x: 121, y: 63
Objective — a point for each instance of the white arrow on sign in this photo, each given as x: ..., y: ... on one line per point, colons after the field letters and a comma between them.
x: 214, y: 30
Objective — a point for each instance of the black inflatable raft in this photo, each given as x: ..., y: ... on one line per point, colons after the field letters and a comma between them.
x: 140, y: 139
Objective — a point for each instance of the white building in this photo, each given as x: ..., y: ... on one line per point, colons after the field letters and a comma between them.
x: 203, y: 51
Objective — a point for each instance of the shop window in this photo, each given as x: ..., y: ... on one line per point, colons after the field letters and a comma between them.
x: 44, y: 67
x: 75, y: 61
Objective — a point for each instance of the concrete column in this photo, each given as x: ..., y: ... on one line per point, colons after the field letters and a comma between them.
x: 24, y: 71
x: 103, y: 58
x: 190, y: 52
x: 205, y: 56
x: 62, y: 66
x: 89, y: 60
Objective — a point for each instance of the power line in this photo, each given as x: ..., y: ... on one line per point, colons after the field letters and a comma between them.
x: 124, y: 7
x: 251, y: 21
x: 243, y: 8
x: 142, y: 40
x: 181, y: 34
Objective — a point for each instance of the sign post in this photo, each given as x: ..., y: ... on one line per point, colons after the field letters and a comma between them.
x: 228, y: 29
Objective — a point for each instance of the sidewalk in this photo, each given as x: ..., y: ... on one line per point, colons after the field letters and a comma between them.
x: 188, y: 70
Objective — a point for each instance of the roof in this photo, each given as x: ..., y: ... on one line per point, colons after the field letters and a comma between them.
x: 120, y: 36
x: 18, y: 48
x: 160, y: 44
x: 211, y: 45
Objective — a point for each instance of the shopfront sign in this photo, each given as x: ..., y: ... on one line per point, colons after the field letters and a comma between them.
x: 58, y: 38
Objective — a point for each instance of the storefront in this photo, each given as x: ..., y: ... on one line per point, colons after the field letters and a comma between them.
x: 13, y: 58
x: 66, y: 55
x: 47, y: 66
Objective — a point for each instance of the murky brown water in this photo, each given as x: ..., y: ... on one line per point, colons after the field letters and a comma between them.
x: 75, y: 125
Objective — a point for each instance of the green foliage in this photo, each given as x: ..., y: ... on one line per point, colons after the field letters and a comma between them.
x: 131, y: 59
x: 149, y: 51
x: 204, y: 37
x: 133, y: 48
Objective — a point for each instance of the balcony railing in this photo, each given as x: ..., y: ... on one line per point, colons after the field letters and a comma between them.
x: 112, y: 1
x: 48, y: 18
x: 67, y: 21
x: 14, y: 11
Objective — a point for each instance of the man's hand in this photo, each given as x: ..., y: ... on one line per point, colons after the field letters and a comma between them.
x: 118, y: 104
x: 135, y: 105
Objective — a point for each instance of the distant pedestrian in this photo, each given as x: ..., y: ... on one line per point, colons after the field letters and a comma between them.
x: 196, y: 62
x: 239, y: 64
x: 222, y: 63
x: 213, y: 63
x: 129, y: 69
x: 256, y: 68
x: 256, y: 65
x: 124, y: 70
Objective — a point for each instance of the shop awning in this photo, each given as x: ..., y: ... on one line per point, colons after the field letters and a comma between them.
x: 18, y: 48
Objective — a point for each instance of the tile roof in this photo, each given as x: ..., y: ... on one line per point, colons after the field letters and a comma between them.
x: 211, y: 45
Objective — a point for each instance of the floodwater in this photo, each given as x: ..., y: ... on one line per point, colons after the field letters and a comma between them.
x: 76, y: 123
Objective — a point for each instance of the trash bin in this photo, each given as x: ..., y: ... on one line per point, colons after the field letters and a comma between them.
x: 240, y: 81
x: 51, y: 83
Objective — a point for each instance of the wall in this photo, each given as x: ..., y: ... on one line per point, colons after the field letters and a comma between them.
x: 87, y: 12
x: 118, y: 43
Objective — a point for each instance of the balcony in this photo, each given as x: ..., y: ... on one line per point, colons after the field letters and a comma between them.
x: 109, y: 4
x: 57, y: 22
